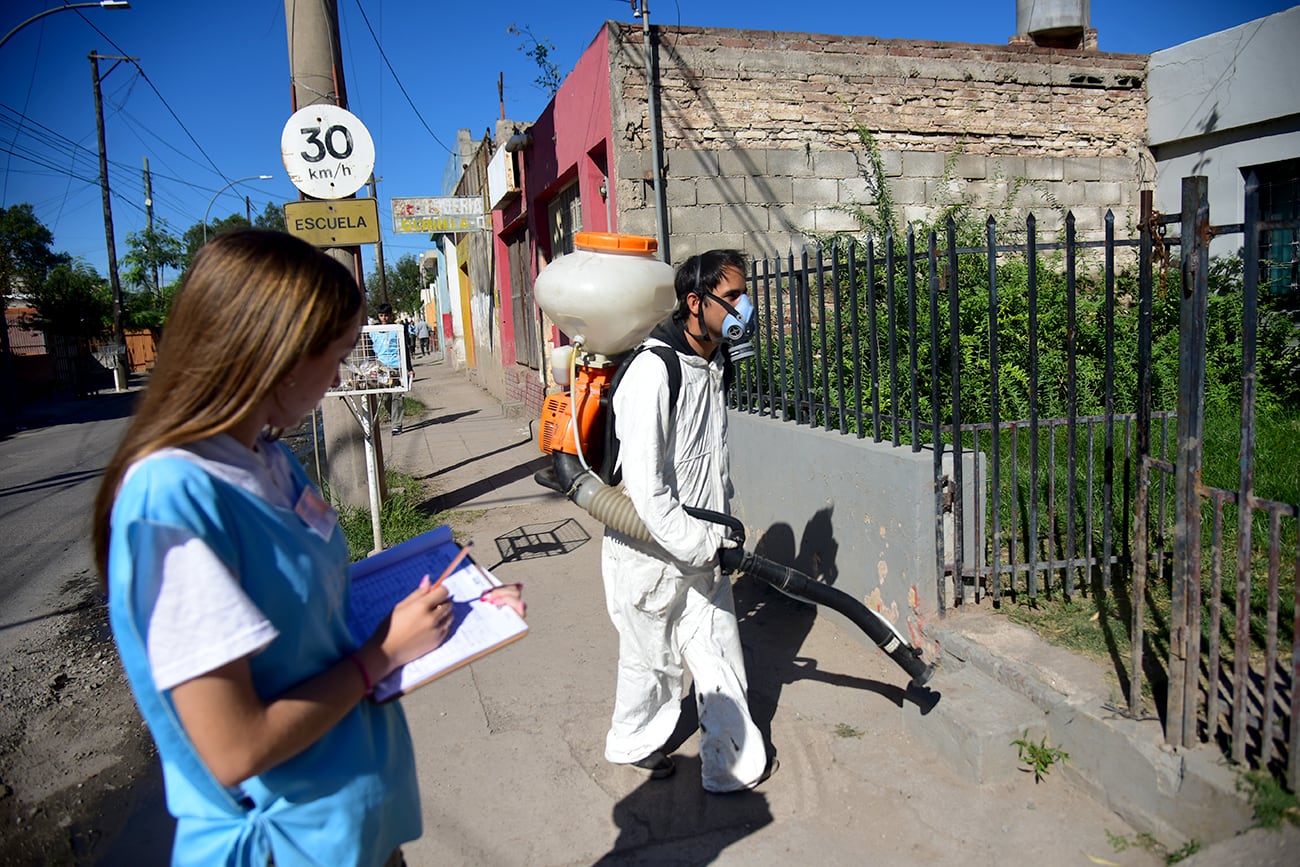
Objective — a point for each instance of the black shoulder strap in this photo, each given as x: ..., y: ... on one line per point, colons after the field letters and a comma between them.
x: 668, y: 356
x: 673, y: 365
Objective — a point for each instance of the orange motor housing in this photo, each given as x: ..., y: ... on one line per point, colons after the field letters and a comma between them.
x: 581, y: 403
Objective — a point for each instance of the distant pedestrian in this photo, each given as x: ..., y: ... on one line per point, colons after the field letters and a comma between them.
x: 410, y: 336
x: 389, y: 353
x: 422, y: 333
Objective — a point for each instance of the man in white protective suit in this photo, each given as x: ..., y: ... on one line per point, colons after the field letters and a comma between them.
x: 671, y: 605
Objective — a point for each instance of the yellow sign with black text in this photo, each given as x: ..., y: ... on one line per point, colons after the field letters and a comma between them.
x: 334, y: 223
x: 450, y: 223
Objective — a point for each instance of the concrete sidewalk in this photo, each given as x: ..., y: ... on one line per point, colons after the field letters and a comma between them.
x: 510, y: 748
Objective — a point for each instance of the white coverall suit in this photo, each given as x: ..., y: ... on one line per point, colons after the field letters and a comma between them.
x: 677, y: 609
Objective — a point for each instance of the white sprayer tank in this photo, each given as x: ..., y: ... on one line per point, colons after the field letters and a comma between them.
x: 609, y: 292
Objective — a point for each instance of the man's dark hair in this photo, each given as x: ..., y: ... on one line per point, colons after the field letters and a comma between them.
x: 386, y: 309
x: 702, y: 273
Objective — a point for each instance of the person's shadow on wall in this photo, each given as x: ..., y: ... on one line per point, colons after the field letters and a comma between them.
x: 774, y: 626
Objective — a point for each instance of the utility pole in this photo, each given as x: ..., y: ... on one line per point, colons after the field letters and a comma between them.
x: 379, y: 246
x: 316, y: 69
x: 119, y: 336
x: 148, y: 212
x: 656, y: 143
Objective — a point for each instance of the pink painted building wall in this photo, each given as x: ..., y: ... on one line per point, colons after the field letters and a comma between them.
x: 571, y: 143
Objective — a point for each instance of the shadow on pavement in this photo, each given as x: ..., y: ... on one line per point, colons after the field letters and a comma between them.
x: 481, y: 487
x: 674, y: 821
x: 59, y: 481
x: 533, y: 541
x: 48, y: 413
x: 451, y: 467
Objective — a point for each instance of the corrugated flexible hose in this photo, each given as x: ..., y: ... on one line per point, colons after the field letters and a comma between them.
x: 612, y: 507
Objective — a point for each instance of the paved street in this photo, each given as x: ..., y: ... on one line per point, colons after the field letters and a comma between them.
x: 49, y: 473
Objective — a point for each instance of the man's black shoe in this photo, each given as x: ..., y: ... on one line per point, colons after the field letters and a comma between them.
x: 657, y: 765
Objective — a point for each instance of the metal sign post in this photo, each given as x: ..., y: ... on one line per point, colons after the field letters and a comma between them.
x: 377, y: 365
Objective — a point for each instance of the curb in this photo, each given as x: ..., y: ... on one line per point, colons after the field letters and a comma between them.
x: 992, y: 697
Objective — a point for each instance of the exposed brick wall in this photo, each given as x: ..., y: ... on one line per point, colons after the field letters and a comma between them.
x: 524, y: 389
x: 762, y: 152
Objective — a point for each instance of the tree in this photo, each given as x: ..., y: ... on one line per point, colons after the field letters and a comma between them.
x: 149, y: 253
x: 73, y: 301
x: 25, y: 251
x: 403, y: 285
x: 25, y: 256
x: 548, y: 77
x: 272, y: 217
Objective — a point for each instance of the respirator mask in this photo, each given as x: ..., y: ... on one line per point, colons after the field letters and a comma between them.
x: 738, y: 327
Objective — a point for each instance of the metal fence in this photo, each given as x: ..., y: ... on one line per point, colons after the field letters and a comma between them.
x: 911, y: 348
x: 1233, y: 659
x: 1055, y: 365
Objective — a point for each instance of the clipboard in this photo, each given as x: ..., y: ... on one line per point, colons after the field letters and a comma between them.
x: 381, y: 581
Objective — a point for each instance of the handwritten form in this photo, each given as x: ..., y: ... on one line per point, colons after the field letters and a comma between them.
x: 478, y: 628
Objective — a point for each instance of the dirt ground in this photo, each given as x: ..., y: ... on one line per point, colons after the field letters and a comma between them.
x: 72, y: 743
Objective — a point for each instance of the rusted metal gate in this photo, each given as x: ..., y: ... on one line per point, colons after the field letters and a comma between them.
x: 1231, y: 679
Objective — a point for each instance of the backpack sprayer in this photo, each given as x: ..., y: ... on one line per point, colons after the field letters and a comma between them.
x: 607, y: 295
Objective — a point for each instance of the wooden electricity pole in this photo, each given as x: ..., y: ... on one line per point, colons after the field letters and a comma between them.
x: 315, y: 65
x: 119, y: 335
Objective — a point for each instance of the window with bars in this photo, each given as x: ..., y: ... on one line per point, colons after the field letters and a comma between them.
x: 564, y: 215
x: 1279, y: 248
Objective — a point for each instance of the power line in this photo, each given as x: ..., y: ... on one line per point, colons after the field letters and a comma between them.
x: 50, y: 139
x: 397, y: 79
x: 161, y: 99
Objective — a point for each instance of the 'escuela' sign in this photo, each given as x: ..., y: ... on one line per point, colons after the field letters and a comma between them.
x: 338, y: 223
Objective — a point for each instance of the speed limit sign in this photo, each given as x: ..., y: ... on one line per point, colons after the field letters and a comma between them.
x: 327, y: 151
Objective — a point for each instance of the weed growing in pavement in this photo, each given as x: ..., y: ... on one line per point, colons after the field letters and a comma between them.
x: 1269, y: 799
x: 844, y: 730
x: 1038, y: 756
x: 1188, y: 849
x: 1145, y: 841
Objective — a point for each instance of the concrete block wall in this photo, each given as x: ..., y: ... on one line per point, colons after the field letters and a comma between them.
x: 761, y: 148
x: 849, y: 512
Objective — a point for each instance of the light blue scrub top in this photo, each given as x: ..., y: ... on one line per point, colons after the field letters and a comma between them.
x: 349, y: 798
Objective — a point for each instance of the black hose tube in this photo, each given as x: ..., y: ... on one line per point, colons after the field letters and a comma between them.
x: 611, y: 507
x: 876, y: 627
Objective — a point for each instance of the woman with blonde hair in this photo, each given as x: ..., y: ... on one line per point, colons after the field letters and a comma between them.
x: 227, y: 578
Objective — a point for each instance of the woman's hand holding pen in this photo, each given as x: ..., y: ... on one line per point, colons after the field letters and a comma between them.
x: 507, y: 594
x: 418, y: 624
x: 424, y: 617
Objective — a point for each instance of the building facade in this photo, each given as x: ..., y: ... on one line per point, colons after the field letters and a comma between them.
x: 1220, y: 107
x: 771, y: 141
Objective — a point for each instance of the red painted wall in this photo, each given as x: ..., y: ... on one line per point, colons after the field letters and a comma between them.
x: 571, y: 139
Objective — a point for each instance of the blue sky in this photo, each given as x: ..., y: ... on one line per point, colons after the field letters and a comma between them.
x: 210, y: 96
